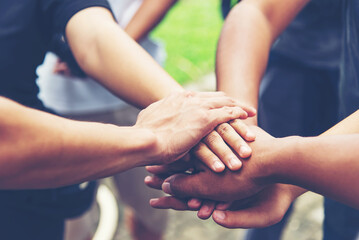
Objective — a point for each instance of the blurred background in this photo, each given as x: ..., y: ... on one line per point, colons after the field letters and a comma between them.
x: 189, y: 33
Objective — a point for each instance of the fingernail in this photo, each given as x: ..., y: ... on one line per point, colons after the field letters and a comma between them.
x: 235, y: 163
x: 250, y: 135
x: 218, y: 166
x: 148, y: 179
x: 219, y: 215
x: 166, y: 187
x: 153, y: 200
x: 244, y: 151
x: 205, y: 208
x: 194, y: 201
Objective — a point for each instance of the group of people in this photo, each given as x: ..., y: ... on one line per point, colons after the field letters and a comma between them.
x: 295, y: 61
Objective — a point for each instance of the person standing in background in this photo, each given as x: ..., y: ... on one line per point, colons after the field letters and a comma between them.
x: 299, y: 95
x: 84, y: 99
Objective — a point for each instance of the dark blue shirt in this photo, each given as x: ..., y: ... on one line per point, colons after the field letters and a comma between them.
x: 314, y: 37
x: 349, y: 79
x: 26, y: 28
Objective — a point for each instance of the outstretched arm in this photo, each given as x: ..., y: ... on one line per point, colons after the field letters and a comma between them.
x: 326, y: 164
x: 40, y: 150
x: 105, y: 52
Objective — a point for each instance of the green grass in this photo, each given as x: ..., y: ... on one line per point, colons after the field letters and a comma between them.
x: 190, y: 33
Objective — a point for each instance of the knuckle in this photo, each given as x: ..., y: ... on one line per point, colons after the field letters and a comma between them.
x: 227, y: 152
x: 212, y: 138
x: 223, y: 129
x: 229, y: 110
x: 189, y: 94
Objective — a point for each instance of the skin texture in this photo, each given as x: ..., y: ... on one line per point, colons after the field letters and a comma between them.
x: 259, y: 194
x: 99, y: 46
x: 57, y: 151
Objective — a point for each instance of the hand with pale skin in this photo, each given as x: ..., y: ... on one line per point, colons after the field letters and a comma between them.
x: 176, y: 139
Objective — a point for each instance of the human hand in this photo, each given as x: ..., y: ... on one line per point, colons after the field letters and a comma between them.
x: 62, y: 68
x: 264, y: 209
x: 221, y: 147
x: 256, y: 174
x: 181, y: 120
x: 229, y: 185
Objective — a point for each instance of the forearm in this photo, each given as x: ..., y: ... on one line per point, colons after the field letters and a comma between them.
x: 108, y: 54
x: 40, y: 150
x: 347, y: 126
x: 323, y: 164
x: 327, y: 165
x: 241, y: 60
x: 147, y: 17
x: 247, y: 36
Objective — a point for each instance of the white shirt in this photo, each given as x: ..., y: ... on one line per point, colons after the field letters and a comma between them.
x: 72, y: 95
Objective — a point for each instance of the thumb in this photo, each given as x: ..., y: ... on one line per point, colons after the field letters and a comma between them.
x: 184, y: 186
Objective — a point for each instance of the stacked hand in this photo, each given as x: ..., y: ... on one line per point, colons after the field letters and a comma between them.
x: 181, y: 120
x: 244, y: 198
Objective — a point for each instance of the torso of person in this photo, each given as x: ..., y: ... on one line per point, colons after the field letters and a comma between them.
x: 24, y: 37
x: 26, y: 28
x: 349, y: 77
x: 315, y: 35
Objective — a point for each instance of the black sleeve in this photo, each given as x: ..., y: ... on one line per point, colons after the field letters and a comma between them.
x: 57, y: 13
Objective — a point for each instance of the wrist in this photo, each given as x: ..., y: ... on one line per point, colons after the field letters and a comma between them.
x: 281, y: 169
x: 146, y: 150
x: 277, y: 162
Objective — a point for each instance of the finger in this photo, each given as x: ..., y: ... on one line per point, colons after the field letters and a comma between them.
x: 243, y: 130
x: 215, y: 142
x: 169, y: 203
x: 251, y: 111
x: 210, y: 94
x: 204, y: 154
x: 247, y: 218
x: 169, y: 169
x: 154, y: 182
x: 206, y: 209
x: 220, y: 102
x: 223, y: 206
x: 234, y: 139
x: 184, y: 186
x: 194, y: 203
x: 222, y: 115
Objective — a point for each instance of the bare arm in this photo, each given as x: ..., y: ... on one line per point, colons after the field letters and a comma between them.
x: 147, y: 17
x: 328, y: 165
x: 105, y: 52
x: 40, y: 150
x: 247, y: 36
